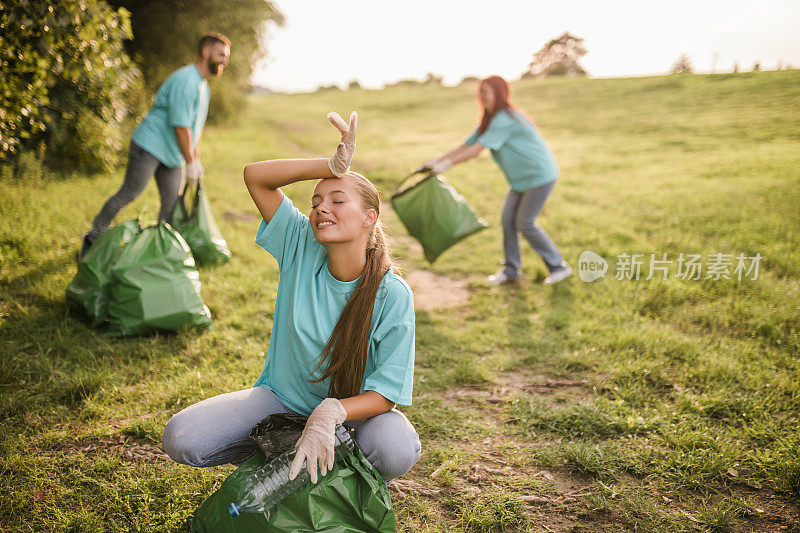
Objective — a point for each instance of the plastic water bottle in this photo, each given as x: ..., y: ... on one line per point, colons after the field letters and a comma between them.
x: 270, y: 484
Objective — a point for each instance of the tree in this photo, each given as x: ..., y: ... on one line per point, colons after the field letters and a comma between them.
x: 66, y: 83
x: 353, y: 85
x: 682, y: 65
x: 165, y: 35
x: 433, y: 79
x: 558, y: 57
x: 757, y: 66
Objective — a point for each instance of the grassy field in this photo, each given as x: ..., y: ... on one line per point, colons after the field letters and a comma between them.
x: 617, y: 405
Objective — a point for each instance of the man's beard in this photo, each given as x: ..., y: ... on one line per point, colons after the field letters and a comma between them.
x: 215, y: 68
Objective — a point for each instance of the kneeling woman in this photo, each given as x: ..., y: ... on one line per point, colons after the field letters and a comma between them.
x: 342, y: 342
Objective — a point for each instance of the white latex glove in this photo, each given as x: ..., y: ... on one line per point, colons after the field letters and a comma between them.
x: 193, y: 171
x: 316, y: 444
x: 441, y: 166
x: 339, y: 163
x: 428, y: 165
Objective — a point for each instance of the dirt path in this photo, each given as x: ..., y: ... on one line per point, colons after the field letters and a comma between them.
x: 432, y: 291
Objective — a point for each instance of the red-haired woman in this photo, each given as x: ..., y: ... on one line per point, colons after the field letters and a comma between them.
x: 531, y: 172
x: 341, y: 348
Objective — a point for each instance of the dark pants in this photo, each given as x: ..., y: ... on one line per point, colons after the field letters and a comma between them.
x: 141, y: 166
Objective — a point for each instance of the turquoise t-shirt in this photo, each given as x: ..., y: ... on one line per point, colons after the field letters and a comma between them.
x: 181, y: 102
x: 307, y: 308
x: 519, y: 150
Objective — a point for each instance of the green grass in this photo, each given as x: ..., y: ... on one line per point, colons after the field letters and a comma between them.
x: 684, y: 410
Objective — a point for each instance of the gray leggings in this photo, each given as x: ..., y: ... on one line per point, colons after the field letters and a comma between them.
x: 519, y: 215
x: 216, y: 431
x: 141, y: 166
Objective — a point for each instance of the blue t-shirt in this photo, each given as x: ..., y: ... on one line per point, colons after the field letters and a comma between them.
x: 519, y: 150
x: 307, y: 308
x: 181, y: 102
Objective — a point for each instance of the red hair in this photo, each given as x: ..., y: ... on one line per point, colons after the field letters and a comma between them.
x: 502, y: 99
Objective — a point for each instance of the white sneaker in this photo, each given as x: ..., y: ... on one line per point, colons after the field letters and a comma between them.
x: 500, y: 278
x: 558, y: 275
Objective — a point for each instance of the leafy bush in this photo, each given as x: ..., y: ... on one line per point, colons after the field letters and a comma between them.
x: 66, y: 83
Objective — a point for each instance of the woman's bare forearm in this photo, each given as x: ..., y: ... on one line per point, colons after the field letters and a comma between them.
x: 277, y: 173
x: 462, y: 153
x: 452, y: 153
x: 366, y: 405
x: 465, y: 152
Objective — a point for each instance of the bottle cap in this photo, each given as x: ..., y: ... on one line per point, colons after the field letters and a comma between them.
x: 344, y: 436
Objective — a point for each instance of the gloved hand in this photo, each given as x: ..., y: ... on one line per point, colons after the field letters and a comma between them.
x: 436, y: 165
x: 193, y: 171
x: 441, y: 166
x: 427, y: 165
x: 339, y: 163
x: 316, y: 444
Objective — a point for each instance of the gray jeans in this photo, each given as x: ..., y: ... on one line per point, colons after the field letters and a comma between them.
x: 519, y: 215
x: 141, y: 166
x: 216, y: 431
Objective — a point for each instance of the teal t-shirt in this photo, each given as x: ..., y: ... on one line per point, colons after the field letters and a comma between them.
x: 307, y: 307
x: 519, y: 149
x: 181, y: 102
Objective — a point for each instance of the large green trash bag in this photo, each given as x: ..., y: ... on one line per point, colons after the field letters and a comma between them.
x: 434, y: 213
x: 199, y: 229
x: 89, y: 289
x: 155, y: 286
x: 351, y: 498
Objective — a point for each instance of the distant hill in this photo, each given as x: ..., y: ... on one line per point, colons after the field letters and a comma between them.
x: 260, y: 89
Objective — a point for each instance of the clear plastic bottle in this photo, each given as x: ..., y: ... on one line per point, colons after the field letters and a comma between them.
x: 267, y: 486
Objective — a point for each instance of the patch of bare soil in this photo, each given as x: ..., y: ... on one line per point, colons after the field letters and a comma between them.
x: 127, y: 448
x: 773, y: 511
x: 509, y: 384
x: 432, y: 291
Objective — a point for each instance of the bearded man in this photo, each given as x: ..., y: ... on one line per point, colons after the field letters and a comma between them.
x: 168, y: 136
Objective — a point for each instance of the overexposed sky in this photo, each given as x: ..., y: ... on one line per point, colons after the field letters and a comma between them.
x: 327, y: 42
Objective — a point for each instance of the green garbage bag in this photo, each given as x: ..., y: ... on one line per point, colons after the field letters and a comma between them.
x: 199, y: 229
x: 89, y: 289
x: 155, y: 286
x: 351, y: 498
x: 434, y: 213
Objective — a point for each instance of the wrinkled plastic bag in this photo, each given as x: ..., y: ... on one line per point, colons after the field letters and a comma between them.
x: 434, y: 213
x: 89, y: 289
x: 277, y: 433
x: 199, y: 229
x: 351, y: 498
x: 155, y: 286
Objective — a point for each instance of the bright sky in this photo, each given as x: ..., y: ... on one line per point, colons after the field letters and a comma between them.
x: 327, y: 42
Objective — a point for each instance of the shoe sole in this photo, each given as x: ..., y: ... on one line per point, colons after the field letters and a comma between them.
x: 549, y: 281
